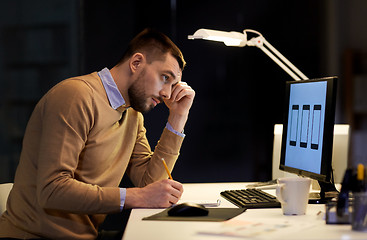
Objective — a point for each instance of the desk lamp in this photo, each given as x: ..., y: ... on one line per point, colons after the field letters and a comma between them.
x: 236, y: 39
x: 240, y: 40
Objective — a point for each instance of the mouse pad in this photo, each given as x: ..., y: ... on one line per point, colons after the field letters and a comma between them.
x: 215, y: 215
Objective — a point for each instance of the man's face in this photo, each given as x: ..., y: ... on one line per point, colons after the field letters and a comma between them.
x: 154, y: 83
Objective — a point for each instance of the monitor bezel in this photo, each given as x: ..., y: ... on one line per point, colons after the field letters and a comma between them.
x: 326, y: 159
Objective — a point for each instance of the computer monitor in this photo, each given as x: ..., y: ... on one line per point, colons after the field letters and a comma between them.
x: 339, y: 157
x: 307, y: 141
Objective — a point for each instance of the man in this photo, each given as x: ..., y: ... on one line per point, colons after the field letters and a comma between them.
x: 86, y: 132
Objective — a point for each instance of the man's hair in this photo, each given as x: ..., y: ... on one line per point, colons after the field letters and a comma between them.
x: 155, y: 45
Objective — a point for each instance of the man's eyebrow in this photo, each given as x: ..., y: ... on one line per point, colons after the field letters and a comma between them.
x: 171, y: 73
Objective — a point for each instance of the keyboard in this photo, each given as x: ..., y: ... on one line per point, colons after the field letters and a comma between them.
x: 251, y: 198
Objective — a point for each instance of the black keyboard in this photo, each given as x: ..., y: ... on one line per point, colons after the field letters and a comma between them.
x: 251, y: 198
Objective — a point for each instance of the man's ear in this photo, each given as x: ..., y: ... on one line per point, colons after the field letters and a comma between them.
x: 136, y: 61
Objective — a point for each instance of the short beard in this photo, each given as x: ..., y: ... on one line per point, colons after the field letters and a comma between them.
x: 137, y: 96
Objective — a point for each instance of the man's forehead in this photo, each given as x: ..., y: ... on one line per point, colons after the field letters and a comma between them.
x: 169, y: 65
x: 173, y: 66
x: 172, y: 60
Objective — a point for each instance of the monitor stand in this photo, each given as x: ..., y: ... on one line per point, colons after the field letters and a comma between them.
x: 327, y: 192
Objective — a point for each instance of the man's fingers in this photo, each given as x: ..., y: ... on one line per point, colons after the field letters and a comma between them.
x: 176, y: 185
x: 181, y: 90
x: 175, y: 191
x: 188, y: 92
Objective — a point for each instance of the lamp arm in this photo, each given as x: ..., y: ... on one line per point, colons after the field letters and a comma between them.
x: 288, y: 67
x: 294, y: 68
x: 277, y: 61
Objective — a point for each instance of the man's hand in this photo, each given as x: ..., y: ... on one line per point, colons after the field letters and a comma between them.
x: 181, y: 99
x: 179, y: 104
x: 159, y: 194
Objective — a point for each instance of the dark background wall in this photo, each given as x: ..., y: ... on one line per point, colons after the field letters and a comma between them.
x: 239, y: 91
x: 229, y: 133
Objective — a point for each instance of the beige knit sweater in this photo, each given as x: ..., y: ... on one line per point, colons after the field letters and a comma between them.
x: 76, y: 149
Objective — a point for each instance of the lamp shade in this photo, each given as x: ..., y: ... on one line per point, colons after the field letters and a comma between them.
x: 228, y: 38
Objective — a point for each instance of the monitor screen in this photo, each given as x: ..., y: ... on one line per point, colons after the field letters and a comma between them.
x: 307, y: 142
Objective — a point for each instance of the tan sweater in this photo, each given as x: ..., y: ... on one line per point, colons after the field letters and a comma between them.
x: 75, y: 152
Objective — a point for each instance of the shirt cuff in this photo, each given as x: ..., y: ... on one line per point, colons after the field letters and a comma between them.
x: 122, y: 198
x: 169, y: 127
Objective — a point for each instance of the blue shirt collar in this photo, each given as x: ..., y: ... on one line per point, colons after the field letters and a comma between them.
x: 113, y: 94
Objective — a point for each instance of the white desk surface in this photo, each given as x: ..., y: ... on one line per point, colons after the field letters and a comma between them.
x: 310, y: 226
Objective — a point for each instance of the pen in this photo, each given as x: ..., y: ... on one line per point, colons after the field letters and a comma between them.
x: 165, y: 166
x: 361, y: 177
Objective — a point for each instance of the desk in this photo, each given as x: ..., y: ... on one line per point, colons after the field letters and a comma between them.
x: 137, y: 229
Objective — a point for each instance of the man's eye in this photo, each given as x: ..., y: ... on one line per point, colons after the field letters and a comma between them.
x: 165, y: 78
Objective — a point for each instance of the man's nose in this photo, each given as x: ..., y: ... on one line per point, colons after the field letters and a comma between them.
x: 166, y: 91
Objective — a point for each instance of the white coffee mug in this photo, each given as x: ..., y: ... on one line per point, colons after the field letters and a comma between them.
x: 293, y: 194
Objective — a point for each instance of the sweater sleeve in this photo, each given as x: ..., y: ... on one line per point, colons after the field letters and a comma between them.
x: 146, y: 166
x: 67, y: 117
